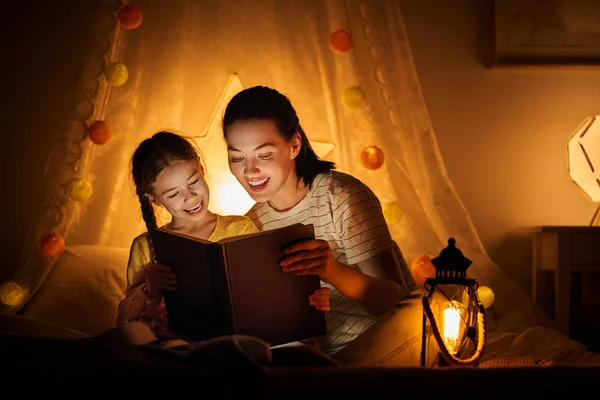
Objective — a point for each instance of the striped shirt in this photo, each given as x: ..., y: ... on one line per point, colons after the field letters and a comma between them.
x: 346, y: 213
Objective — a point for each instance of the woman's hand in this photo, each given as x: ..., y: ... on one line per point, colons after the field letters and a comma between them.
x: 159, y: 277
x: 320, y: 299
x: 310, y: 257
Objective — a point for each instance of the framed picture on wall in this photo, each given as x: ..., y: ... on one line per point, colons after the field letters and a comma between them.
x: 546, y: 32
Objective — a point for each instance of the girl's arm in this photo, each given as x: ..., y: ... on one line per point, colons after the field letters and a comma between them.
x: 136, y: 302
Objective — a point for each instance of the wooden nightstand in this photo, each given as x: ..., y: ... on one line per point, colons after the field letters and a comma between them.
x: 558, y: 252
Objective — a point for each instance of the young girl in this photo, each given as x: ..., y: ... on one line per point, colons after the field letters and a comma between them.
x: 354, y: 253
x: 168, y: 172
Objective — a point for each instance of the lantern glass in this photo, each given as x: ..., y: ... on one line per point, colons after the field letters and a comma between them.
x: 454, y: 308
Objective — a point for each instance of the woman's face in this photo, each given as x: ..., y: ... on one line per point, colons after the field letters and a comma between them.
x: 182, y: 190
x: 262, y: 160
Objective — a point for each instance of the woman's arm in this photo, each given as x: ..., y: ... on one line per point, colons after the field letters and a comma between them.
x: 382, y: 285
x: 361, y: 233
x: 378, y: 288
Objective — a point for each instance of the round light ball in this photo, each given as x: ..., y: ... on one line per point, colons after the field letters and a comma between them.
x: 99, y: 132
x: 52, y: 245
x: 353, y: 98
x: 421, y: 269
x: 12, y: 294
x: 116, y: 73
x: 486, y: 296
x: 80, y: 189
x: 340, y: 41
x: 130, y: 17
x: 372, y: 157
x: 392, y: 213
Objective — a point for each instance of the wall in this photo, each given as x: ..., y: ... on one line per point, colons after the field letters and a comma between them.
x: 45, y: 46
x: 502, y: 132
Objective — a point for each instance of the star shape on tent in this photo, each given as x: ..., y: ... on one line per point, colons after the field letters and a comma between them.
x: 541, y: 13
x: 227, y: 196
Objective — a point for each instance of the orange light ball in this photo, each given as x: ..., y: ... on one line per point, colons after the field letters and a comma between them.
x: 422, y: 268
x: 130, y: 17
x: 372, y: 157
x: 340, y: 41
x: 52, y: 245
x: 99, y: 132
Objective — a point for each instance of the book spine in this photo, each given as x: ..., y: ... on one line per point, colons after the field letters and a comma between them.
x: 222, y: 290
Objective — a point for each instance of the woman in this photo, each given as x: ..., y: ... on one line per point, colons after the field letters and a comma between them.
x: 353, y: 252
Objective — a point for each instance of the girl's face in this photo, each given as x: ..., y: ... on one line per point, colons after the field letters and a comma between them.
x: 262, y: 160
x: 182, y: 190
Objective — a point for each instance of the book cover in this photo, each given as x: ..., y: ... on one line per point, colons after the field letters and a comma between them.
x: 236, y: 286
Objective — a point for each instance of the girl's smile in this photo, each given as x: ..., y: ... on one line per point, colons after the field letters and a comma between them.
x: 182, y: 190
x: 194, y: 210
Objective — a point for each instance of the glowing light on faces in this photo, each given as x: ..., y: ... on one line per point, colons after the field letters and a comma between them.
x: 262, y: 160
x: 182, y: 190
x: 228, y: 196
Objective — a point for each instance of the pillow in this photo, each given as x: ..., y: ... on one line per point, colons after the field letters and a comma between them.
x: 83, y: 289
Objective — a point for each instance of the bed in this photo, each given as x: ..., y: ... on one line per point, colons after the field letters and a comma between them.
x: 61, y: 337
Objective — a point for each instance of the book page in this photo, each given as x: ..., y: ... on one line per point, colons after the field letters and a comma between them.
x: 262, y: 233
x: 183, y: 235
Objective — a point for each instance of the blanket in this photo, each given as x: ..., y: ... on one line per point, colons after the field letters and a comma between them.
x: 235, y: 364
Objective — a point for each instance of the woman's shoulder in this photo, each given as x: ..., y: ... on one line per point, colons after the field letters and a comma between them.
x: 337, y: 183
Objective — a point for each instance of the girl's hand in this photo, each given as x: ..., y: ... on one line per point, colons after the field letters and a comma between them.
x: 158, y: 278
x: 310, y: 257
x: 320, y: 299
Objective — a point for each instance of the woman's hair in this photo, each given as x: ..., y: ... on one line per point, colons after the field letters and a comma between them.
x: 151, y: 157
x: 264, y: 103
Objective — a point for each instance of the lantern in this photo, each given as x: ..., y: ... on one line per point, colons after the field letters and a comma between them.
x: 453, y: 316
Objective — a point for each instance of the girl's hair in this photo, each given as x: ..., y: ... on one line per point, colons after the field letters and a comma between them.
x: 264, y: 103
x: 151, y: 157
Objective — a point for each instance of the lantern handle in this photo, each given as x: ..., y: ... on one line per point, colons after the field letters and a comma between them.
x: 438, y: 337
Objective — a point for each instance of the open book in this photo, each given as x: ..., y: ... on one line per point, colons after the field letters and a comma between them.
x: 236, y: 286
